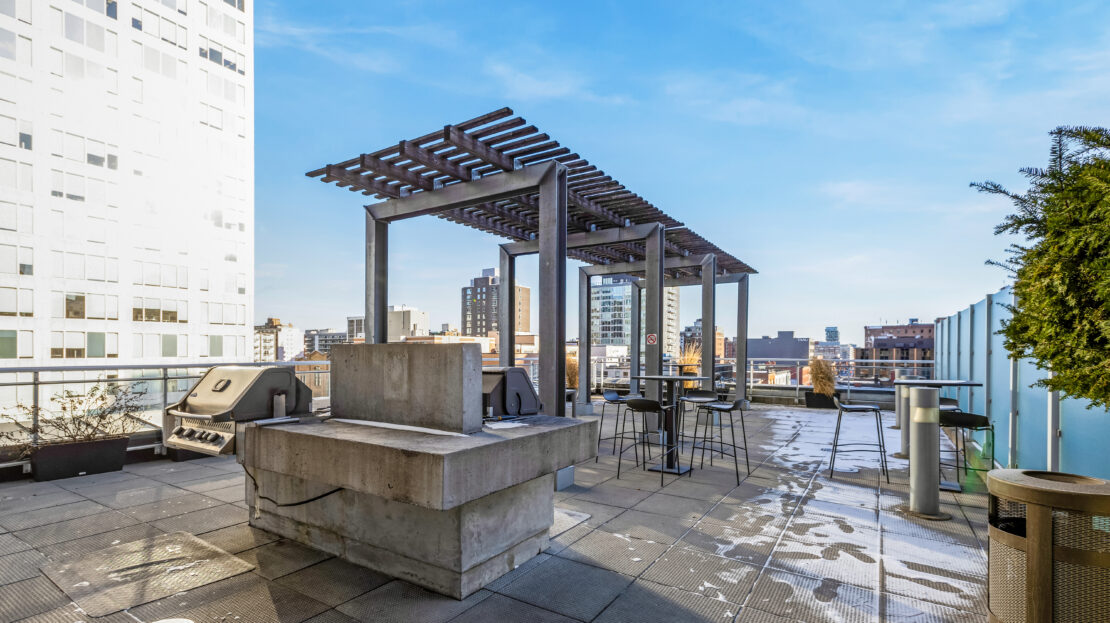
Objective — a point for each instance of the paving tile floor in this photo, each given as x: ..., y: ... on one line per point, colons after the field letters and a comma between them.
x: 789, y: 543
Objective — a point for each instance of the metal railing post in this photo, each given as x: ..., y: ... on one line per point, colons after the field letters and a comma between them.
x: 35, y: 408
x: 165, y: 401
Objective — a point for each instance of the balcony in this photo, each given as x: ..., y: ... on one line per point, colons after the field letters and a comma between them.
x: 790, y: 543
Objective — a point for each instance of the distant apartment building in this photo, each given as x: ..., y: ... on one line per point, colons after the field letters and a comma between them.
x: 356, y: 326
x: 487, y: 344
x: 611, y: 314
x: 906, y: 342
x: 321, y: 340
x: 401, y: 322
x: 480, y: 305
x: 404, y: 322
x: 832, y: 334
x: 275, y: 341
x: 692, y: 337
x: 126, y: 177
x: 783, y: 346
x: 611, y: 311
x: 672, y: 343
x: 315, y: 373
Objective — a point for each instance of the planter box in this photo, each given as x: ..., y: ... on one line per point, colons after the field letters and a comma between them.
x: 66, y: 460
x: 820, y: 401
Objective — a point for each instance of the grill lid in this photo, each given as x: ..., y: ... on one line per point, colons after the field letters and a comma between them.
x: 240, y: 392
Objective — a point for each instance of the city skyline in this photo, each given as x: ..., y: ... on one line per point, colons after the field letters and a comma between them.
x: 834, y: 145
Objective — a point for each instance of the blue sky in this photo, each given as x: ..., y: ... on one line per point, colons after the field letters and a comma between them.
x: 829, y: 145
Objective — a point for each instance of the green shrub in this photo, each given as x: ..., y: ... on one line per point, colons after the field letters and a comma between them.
x: 1061, y: 314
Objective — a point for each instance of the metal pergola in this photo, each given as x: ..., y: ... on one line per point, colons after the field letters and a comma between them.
x: 502, y: 176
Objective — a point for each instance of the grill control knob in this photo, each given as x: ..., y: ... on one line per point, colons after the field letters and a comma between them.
x: 216, y: 438
x: 189, y: 432
x: 179, y: 430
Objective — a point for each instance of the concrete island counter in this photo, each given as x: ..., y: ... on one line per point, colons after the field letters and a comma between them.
x: 439, y: 508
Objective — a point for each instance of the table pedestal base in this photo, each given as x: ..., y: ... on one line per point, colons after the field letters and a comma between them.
x: 905, y: 510
x: 670, y: 470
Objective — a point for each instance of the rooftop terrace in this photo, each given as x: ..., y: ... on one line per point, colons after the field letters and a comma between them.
x: 788, y: 544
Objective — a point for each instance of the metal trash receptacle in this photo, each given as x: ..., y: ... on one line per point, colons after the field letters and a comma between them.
x: 1049, y: 557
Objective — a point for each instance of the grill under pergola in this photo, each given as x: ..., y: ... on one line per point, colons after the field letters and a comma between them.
x: 499, y: 142
x: 498, y: 174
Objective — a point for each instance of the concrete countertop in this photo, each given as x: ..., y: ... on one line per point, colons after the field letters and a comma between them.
x: 438, y: 471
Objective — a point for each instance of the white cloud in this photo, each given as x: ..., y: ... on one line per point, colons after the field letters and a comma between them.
x: 351, y: 46
x: 864, y: 196
x: 735, y: 97
x: 866, y: 36
x: 544, y: 83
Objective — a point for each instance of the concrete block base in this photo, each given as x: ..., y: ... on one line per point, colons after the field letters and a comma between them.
x: 454, y: 552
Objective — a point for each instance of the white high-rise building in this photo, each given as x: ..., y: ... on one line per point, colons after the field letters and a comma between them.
x: 126, y: 181
x: 611, y: 314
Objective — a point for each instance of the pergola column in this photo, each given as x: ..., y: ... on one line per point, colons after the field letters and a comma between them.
x: 553, y: 289
x: 653, y: 316
x: 585, y: 341
x: 506, y: 312
x: 708, y: 319
x: 377, y: 280
x: 742, y: 338
x: 637, y: 334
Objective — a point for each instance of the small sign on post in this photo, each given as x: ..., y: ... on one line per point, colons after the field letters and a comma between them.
x: 652, y: 338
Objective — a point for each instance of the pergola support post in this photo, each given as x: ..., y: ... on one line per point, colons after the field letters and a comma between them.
x: 637, y: 334
x: 506, y: 313
x: 553, y: 289
x: 742, y: 338
x: 585, y: 340
x: 708, y: 319
x: 653, y: 316
x: 377, y: 280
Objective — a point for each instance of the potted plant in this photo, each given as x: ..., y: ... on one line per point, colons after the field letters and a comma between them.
x: 86, y: 433
x: 823, y: 376
x: 689, y: 361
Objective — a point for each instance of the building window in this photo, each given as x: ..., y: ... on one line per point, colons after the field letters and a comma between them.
x: 8, y: 345
x: 95, y: 344
x: 75, y: 305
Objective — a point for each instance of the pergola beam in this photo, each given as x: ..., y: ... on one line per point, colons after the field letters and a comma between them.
x: 432, y: 160
x: 493, y: 188
x: 623, y: 268
x: 455, y: 136
x: 365, y: 183
x: 612, y: 235
x: 380, y: 167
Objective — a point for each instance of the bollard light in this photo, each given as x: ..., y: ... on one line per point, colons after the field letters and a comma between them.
x: 924, y: 420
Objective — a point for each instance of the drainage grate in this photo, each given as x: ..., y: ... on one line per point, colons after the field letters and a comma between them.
x: 135, y: 573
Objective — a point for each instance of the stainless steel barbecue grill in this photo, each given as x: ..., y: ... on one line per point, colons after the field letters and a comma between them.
x: 215, y: 410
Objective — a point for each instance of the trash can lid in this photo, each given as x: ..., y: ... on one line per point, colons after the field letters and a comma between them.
x: 1054, y: 489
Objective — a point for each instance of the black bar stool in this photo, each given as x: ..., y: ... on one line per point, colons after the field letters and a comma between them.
x: 611, y: 397
x: 698, y: 398
x: 859, y: 446
x: 962, y: 421
x: 708, y: 439
x: 643, y: 406
x: 638, y: 437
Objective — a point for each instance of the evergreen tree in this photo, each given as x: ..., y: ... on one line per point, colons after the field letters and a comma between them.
x: 1061, y: 316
